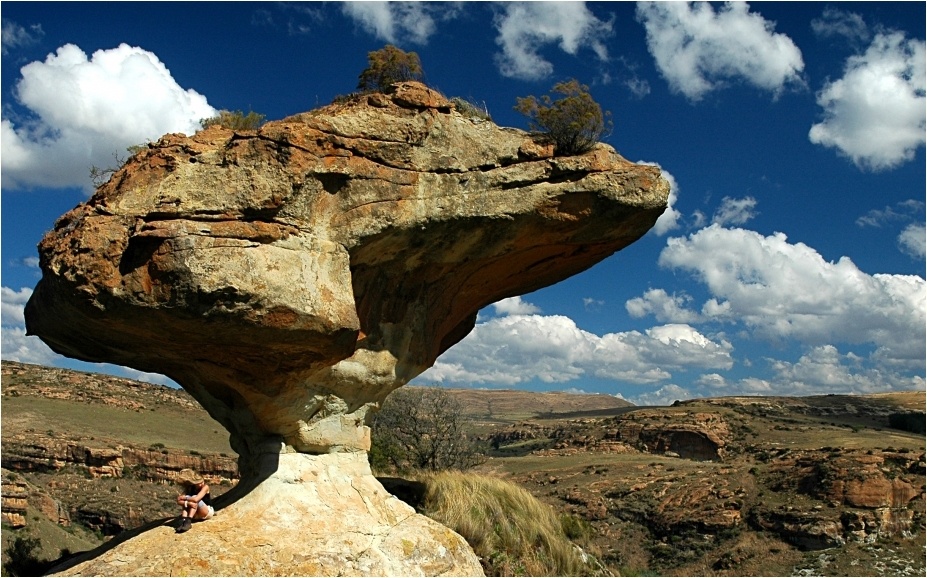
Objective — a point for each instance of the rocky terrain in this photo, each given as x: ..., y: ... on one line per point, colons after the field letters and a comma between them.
x: 728, y: 486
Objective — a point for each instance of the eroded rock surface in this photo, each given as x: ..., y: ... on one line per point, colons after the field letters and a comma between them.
x: 290, y: 278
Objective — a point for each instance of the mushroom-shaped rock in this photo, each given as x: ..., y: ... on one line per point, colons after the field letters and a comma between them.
x: 291, y: 277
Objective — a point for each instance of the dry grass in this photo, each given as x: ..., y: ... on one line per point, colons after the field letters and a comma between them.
x: 509, y: 529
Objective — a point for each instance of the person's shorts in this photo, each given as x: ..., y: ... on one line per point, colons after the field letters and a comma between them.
x: 211, y: 511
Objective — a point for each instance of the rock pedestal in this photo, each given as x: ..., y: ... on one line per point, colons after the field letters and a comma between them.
x: 290, y: 278
x: 311, y: 516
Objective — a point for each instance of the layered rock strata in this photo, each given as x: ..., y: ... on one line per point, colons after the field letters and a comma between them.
x: 289, y: 278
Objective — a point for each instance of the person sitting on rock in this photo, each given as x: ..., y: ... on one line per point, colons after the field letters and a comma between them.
x: 196, y: 500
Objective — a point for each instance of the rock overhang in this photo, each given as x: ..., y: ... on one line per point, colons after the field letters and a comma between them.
x: 332, y: 255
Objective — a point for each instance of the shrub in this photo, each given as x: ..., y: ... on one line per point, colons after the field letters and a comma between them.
x: 470, y: 110
x: 236, y: 120
x: 574, y: 122
x: 23, y: 557
x: 388, y: 66
x: 509, y: 529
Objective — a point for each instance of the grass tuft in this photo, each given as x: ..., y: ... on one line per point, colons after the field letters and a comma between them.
x: 512, y: 532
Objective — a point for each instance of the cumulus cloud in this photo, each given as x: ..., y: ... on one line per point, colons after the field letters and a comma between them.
x: 15, y: 36
x: 734, y: 211
x: 525, y: 27
x: 665, y: 307
x: 912, y: 240
x: 399, y: 21
x: 669, y: 220
x: 515, y: 306
x: 520, y: 348
x: 877, y: 112
x: 824, y: 369
x: 83, y: 111
x: 788, y: 291
x: 698, y: 50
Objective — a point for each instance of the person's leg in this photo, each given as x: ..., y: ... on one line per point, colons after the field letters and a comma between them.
x: 187, y: 517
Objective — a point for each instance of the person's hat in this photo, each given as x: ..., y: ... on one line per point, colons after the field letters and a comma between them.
x: 188, y: 477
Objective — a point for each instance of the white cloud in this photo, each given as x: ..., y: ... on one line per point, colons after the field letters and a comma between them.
x: 902, y: 211
x: 515, y: 306
x: 788, y: 291
x: 520, y: 348
x: 825, y: 370
x: 87, y: 110
x: 840, y: 24
x: 15, y: 345
x: 734, y: 211
x: 665, y: 307
x: 666, y: 395
x: 639, y: 87
x: 525, y: 27
x: 912, y: 240
x: 713, y: 381
x: 592, y: 304
x: 15, y: 36
x: 698, y: 50
x: 669, y: 220
x: 875, y: 114
x: 396, y: 22
x: 12, y: 303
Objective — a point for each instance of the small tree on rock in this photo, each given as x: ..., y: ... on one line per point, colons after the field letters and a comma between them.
x: 574, y: 122
x: 388, y: 66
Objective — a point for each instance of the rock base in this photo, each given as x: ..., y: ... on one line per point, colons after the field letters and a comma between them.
x: 322, y: 515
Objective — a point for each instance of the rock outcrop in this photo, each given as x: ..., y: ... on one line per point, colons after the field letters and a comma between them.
x: 36, y: 452
x: 289, y: 278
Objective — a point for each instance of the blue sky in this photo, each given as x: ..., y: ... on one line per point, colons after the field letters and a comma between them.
x: 791, y: 260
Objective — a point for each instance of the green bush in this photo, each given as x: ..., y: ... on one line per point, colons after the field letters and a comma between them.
x: 574, y: 122
x: 387, y: 66
x: 236, y: 120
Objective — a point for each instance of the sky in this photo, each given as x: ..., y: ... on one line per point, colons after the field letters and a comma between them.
x: 790, y: 261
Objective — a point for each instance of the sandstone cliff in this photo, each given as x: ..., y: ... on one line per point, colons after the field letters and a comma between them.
x: 290, y: 278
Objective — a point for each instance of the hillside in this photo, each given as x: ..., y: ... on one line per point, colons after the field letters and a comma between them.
x: 820, y: 485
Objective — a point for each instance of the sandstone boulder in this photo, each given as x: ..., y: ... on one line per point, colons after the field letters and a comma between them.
x: 289, y: 278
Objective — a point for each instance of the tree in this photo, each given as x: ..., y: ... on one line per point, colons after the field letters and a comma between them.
x: 422, y: 428
x: 236, y: 120
x: 574, y: 122
x: 388, y: 66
